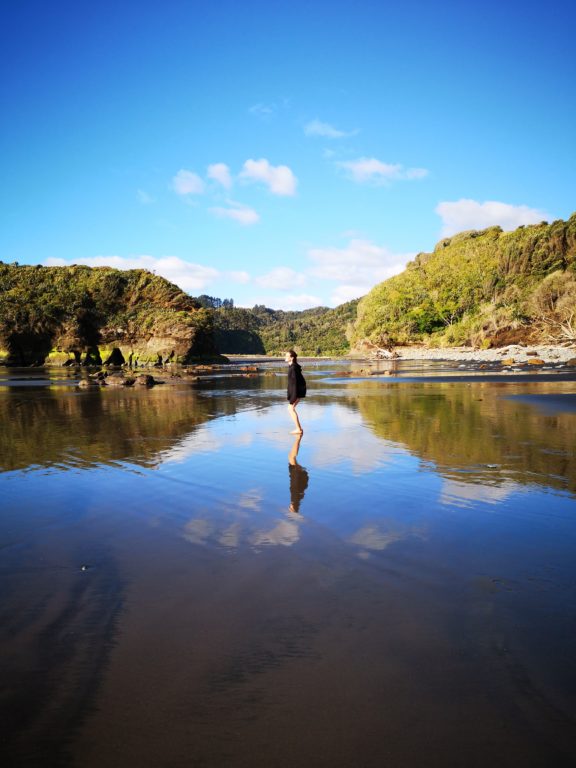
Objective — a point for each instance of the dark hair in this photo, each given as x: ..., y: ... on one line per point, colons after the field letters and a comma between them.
x: 292, y: 354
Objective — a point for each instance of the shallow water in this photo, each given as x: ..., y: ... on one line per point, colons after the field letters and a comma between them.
x: 184, y: 583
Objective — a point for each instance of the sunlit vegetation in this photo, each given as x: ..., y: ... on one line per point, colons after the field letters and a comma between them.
x: 260, y: 330
x: 487, y: 288
x: 480, y: 288
x: 74, y: 309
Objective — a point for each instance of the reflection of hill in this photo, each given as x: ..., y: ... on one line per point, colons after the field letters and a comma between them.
x: 468, y: 427
x: 75, y: 429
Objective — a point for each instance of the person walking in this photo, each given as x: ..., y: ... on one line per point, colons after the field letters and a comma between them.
x: 296, y: 388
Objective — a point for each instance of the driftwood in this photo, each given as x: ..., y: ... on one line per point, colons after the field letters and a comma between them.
x: 384, y: 354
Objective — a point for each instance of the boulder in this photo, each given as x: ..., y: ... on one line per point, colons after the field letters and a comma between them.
x: 145, y: 380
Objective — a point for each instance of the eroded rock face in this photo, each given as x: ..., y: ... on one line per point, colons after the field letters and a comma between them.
x: 89, y: 315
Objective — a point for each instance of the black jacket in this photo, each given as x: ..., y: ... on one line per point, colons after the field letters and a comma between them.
x: 296, y: 383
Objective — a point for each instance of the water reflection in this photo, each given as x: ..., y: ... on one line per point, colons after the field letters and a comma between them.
x: 215, y: 621
x: 298, y: 477
x: 476, y: 433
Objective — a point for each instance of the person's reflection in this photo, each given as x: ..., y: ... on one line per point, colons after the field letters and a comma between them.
x: 298, y: 477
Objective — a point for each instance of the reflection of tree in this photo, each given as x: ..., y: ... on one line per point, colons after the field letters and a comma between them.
x: 467, y: 427
x: 49, y: 427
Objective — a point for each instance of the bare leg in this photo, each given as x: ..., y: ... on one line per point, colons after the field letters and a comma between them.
x: 295, y: 419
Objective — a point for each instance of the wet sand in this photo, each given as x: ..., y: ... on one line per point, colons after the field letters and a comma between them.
x: 162, y: 606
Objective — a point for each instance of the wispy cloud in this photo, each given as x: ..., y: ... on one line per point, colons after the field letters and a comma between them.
x: 187, y: 183
x: 372, y: 171
x: 279, y: 179
x: 238, y: 277
x: 144, y: 197
x: 298, y: 301
x: 186, y: 275
x: 325, y: 130
x: 357, y: 268
x: 469, y: 214
x: 263, y: 111
x: 282, y: 279
x: 237, y: 212
x: 221, y: 173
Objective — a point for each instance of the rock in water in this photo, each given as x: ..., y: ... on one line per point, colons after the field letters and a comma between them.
x: 145, y: 380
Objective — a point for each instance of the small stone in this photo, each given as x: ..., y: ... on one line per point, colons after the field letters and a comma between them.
x: 145, y: 380
x: 535, y: 361
x: 508, y: 361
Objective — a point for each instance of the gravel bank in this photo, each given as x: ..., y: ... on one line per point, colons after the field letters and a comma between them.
x: 518, y: 353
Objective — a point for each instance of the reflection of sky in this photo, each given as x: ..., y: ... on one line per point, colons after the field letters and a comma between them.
x: 371, y: 493
x: 456, y: 493
x: 242, y: 483
x: 226, y: 485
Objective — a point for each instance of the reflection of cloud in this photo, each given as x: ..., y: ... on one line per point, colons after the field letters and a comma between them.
x: 242, y: 522
x: 230, y: 537
x: 203, y: 441
x: 378, y: 537
x: 456, y: 493
x: 345, y: 439
x: 198, y: 531
x: 363, y: 451
x: 251, y: 500
x: 285, y: 533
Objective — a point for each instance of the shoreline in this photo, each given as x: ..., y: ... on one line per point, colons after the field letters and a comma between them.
x: 519, y: 353
x: 547, y: 353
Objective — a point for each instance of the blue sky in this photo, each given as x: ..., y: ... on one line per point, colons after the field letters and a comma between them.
x: 290, y: 154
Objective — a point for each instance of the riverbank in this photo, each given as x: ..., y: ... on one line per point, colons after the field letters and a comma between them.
x: 516, y: 352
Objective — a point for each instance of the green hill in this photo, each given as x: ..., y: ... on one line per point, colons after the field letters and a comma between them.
x: 485, y: 288
x: 318, y: 331
x: 59, y: 312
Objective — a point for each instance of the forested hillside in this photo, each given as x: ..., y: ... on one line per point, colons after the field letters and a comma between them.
x: 319, y: 331
x: 72, y: 311
x: 484, y: 288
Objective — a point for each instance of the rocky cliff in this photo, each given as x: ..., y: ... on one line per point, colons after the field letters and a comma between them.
x: 51, y: 314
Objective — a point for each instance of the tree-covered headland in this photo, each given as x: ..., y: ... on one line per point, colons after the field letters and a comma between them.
x: 479, y: 288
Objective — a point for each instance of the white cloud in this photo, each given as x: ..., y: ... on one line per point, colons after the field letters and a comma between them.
x: 279, y: 179
x: 318, y: 128
x: 144, y: 197
x: 282, y: 279
x: 238, y: 277
x: 263, y: 111
x: 188, y: 276
x: 287, y: 302
x: 344, y: 293
x: 220, y: 173
x: 187, y: 183
x: 237, y: 212
x: 370, y: 170
x: 358, y: 267
x: 300, y: 301
x: 469, y: 214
